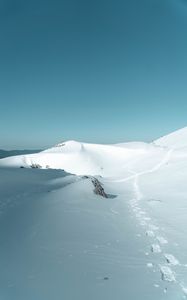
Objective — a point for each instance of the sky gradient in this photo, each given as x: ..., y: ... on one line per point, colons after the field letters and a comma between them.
x: 101, y: 71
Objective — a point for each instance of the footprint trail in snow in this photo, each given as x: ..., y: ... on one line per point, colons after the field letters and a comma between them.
x: 157, y: 241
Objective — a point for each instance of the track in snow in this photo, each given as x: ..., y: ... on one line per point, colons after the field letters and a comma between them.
x: 152, y: 231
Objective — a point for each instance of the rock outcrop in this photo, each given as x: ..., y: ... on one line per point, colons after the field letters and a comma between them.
x: 98, y: 189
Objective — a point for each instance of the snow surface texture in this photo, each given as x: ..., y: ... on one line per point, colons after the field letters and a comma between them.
x: 60, y: 240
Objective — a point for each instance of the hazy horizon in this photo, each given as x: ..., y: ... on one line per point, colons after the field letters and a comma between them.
x: 43, y: 147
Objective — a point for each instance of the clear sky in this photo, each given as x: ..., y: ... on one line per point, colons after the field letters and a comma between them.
x: 96, y: 71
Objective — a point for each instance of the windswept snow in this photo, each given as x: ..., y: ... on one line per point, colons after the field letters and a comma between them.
x: 60, y: 240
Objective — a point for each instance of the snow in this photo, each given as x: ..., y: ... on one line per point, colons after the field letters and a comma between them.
x: 171, y: 259
x: 60, y: 240
x: 167, y: 273
x: 83, y: 158
x: 156, y: 248
x: 174, y: 140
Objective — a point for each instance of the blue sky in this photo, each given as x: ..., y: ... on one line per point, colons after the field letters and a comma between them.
x: 97, y: 71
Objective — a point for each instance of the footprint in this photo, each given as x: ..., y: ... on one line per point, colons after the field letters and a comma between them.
x: 155, y: 248
x: 167, y: 274
x: 161, y: 240
x: 150, y: 233
x: 171, y: 259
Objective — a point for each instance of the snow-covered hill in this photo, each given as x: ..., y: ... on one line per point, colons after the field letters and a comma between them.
x: 83, y: 158
x: 59, y: 240
x: 95, y: 159
x: 174, y: 140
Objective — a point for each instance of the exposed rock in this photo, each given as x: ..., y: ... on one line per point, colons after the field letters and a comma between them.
x: 60, y: 144
x: 98, y: 189
x: 36, y: 166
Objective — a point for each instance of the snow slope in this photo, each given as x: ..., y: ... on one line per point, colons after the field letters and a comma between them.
x: 174, y: 140
x: 61, y: 241
x: 58, y: 240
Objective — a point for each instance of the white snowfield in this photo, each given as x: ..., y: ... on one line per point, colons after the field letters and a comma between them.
x: 59, y: 240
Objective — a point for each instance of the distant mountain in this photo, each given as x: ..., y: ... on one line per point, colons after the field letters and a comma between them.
x: 5, y: 153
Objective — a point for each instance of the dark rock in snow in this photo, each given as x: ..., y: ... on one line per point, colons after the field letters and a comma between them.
x: 98, y: 190
x: 36, y: 166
